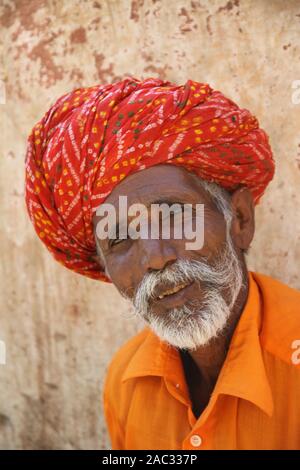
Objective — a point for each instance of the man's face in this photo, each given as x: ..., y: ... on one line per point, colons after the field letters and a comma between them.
x: 185, y: 295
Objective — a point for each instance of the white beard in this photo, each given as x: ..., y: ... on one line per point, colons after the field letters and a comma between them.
x: 198, y: 321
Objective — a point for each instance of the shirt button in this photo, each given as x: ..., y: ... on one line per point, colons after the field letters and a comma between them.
x: 196, y: 440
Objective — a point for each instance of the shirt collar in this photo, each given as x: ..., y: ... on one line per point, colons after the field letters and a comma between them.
x: 243, y: 372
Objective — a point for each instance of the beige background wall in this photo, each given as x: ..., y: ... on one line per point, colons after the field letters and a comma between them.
x: 60, y: 329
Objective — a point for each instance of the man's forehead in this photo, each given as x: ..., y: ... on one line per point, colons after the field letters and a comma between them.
x: 166, y: 182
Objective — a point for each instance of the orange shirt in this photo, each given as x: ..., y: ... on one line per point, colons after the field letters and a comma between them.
x: 256, y: 400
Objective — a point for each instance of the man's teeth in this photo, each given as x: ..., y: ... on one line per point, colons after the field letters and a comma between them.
x: 172, y: 291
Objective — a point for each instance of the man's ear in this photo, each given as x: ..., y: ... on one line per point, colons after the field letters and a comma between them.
x: 243, y: 220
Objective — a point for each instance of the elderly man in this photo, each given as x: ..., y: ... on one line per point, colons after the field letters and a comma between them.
x: 217, y: 364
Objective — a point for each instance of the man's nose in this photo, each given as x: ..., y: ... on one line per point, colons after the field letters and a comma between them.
x: 155, y: 255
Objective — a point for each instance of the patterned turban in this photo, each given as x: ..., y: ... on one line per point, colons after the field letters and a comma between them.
x: 92, y: 138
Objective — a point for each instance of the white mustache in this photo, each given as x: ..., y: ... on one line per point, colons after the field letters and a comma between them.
x: 218, y: 275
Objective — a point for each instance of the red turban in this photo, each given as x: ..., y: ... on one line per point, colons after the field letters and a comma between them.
x: 92, y: 138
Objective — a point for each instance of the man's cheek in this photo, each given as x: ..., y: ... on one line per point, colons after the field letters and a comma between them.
x: 121, y: 279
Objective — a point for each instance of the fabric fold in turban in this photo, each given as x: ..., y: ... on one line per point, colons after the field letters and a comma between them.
x: 92, y: 138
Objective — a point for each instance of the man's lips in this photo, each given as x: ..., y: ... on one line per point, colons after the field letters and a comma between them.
x: 170, y: 297
x: 173, y: 290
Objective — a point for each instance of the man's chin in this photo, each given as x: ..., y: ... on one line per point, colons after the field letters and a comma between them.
x: 188, y: 342
x: 189, y: 309
x: 188, y: 329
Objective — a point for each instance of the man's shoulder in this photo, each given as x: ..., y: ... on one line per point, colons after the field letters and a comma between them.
x: 278, y: 296
x: 122, y: 357
x: 281, y: 316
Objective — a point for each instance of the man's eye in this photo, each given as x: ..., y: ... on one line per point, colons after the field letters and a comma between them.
x: 117, y: 241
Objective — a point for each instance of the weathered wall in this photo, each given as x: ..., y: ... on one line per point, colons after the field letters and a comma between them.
x: 60, y: 329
